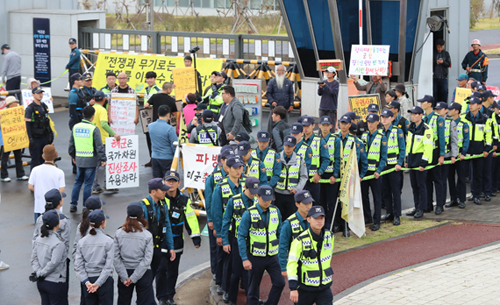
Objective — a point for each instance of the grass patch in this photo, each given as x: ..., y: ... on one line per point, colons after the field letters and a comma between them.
x: 487, y: 24
x: 492, y: 51
x: 387, y: 230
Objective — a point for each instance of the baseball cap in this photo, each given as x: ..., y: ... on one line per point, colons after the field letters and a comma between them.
x: 394, y: 104
x: 481, y: 87
x: 172, y: 175
x: 76, y: 76
x: 487, y: 94
x: 296, y: 128
x: 345, y: 119
x: 252, y: 184
x: 37, y: 89
x: 242, y: 136
x: 226, y: 151
x: 416, y: 110
x: 52, y: 217
x: 441, y: 105
x: 387, y: 113
x: 372, y: 117
x: 290, y: 141
x: 427, y: 98
x: 86, y: 76
x: 266, y: 192
x: 373, y: 108
x: 303, y: 196
x: 157, y: 183
x: 331, y: 70
x: 134, y: 210
x: 201, y: 106
x: 316, y: 211
x: 353, y: 115
x: 326, y: 120
x: 208, y: 115
x: 475, y: 94
x: 234, y: 162
x: 223, y: 74
x: 96, y: 216
x: 94, y: 203
x: 455, y: 106
x: 263, y: 136
x: 5, y: 46
x: 475, y: 84
x: 54, y: 197
x: 99, y: 95
x: 72, y: 40
x: 243, y: 148
x: 307, y: 120
x: 475, y: 100
x: 463, y: 76
x: 495, y: 105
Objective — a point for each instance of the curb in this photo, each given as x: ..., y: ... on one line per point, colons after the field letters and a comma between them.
x: 213, y: 297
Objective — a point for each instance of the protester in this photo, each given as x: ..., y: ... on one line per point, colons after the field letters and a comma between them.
x: 476, y: 62
x: 189, y: 111
x: 73, y: 65
x: 280, y: 93
x: 123, y: 87
x: 162, y: 143
x: 329, y: 92
x: 188, y: 63
x: 231, y: 114
x: 110, y: 84
x: 163, y: 98
x: 11, y: 69
x: 280, y: 128
x: 462, y: 83
x: 442, y: 62
x: 376, y: 85
x: 404, y: 100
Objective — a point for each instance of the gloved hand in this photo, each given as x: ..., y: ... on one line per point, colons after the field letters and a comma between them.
x: 33, y: 277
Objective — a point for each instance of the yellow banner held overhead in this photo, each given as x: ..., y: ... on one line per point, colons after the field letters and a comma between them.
x: 14, y: 131
x: 461, y: 94
x: 185, y: 82
x: 359, y: 103
x: 137, y: 65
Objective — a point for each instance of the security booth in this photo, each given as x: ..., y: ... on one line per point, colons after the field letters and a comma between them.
x: 327, y: 29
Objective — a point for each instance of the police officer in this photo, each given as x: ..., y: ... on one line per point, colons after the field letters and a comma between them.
x: 481, y: 142
x: 363, y: 124
x: 48, y: 261
x: 292, y: 178
x: 294, y: 225
x: 302, y: 149
x: 133, y: 246
x: 458, y: 188
x: 496, y: 163
x: 156, y: 213
x: 476, y: 62
x: 213, y: 97
x: 252, y: 167
x: 74, y: 60
x: 376, y: 146
x: 309, y: 263
x: 487, y: 111
x: 94, y: 262
x: 320, y: 158
x: 419, y: 154
x: 235, y: 208
x: 38, y: 126
x: 259, y: 228
x: 87, y: 89
x: 435, y: 176
x: 399, y: 120
x: 208, y: 132
x: 268, y: 156
x: 396, y: 151
x: 181, y: 213
x: 76, y: 101
x: 196, y: 121
x: 329, y: 191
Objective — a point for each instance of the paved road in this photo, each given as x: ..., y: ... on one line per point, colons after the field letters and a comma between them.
x: 485, y: 36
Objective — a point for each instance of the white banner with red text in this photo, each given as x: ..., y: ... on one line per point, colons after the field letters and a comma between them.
x: 122, y: 165
x: 199, y: 162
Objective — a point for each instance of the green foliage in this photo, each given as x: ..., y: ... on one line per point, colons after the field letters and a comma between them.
x: 476, y: 11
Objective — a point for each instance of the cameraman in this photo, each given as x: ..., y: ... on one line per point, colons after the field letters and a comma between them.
x: 188, y: 62
x: 208, y: 132
x: 196, y: 121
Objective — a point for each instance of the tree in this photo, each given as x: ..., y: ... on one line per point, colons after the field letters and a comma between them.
x: 476, y: 11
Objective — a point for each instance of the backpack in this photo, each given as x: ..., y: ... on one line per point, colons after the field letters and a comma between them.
x: 247, y: 124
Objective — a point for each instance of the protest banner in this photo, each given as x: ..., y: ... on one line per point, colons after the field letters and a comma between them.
x: 28, y: 98
x: 146, y: 116
x: 123, y: 110
x: 199, y: 162
x: 14, y: 131
x: 185, y: 82
x: 369, y: 60
x: 461, y: 94
x: 494, y: 90
x: 136, y: 66
x: 122, y: 166
x: 359, y: 103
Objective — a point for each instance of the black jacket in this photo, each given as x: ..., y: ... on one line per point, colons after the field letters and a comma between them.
x: 441, y: 70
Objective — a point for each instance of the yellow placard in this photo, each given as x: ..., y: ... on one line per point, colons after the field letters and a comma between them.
x: 461, y: 94
x: 136, y: 66
x: 13, y: 127
x: 185, y: 82
x: 359, y: 103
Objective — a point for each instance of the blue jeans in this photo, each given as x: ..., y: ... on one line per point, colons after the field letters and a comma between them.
x: 85, y: 176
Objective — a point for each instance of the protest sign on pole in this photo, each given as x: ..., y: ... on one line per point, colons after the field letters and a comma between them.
x: 14, y: 131
x: 461, y: 94
x: 122, y: 166
x: 28, y: 98
x: 369, y: 60
x: 146, y: 116
x: 185, y: 82
x: 123, y: 110
x: 359, y: 103
x: 199, y: 162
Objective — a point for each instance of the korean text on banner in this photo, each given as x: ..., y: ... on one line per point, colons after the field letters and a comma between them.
x: 199, y: 162
x: 369, y: 60
x: 461, y: 94
x: 359, y: 103
x: 146, y: 115
x: 28, y: 98
x: 185, y: 82
x: 123, y: 110
x: 136, y: 66
x: 13, y: 129
x: 494, y: 90
x: 122, y: 166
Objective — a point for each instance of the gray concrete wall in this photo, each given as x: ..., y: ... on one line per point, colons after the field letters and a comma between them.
x: 63, y: 25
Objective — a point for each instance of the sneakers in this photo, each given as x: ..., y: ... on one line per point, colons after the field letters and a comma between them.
x: 3, y: 266
x: 112, y: 190
x: 97, y: 190
x: 23, y: 178
x: 73, y: 208
x: 6, y: 179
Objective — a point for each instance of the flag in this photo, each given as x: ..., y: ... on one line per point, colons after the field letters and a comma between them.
x: 350, y: 196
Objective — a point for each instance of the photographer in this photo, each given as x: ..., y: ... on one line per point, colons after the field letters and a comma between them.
x: 188, y: 62
x: 208, y: 133
x: 196, y: 121
x: 329, y: 92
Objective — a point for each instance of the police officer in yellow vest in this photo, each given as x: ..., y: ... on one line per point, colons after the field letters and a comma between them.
x: 418, y: 155
x: 309, y: 262
x: 258, y: 242
x: 362, y: 125
x: 235, y: 208
x: 302, y: 149
x: 268, y: 156
x: 488, y: 100
x: 214, y: 95
x: 208, y: 132
x: 252, y: 167
x: 320, y: 158
x: 376, y: 148
x: 87, y: 151
x: 496, y: 163
x: 294, y: 225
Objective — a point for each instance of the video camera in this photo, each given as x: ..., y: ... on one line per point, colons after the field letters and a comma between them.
x: 194, y: 50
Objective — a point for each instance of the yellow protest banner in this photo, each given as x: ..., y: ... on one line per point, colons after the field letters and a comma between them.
x: 137, y: 65
x: 461, y: 94
x: 359, y: 103
x: 13, y: 127
x: 185, y: 82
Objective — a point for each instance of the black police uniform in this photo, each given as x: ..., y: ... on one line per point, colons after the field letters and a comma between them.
x: 39, y: 131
